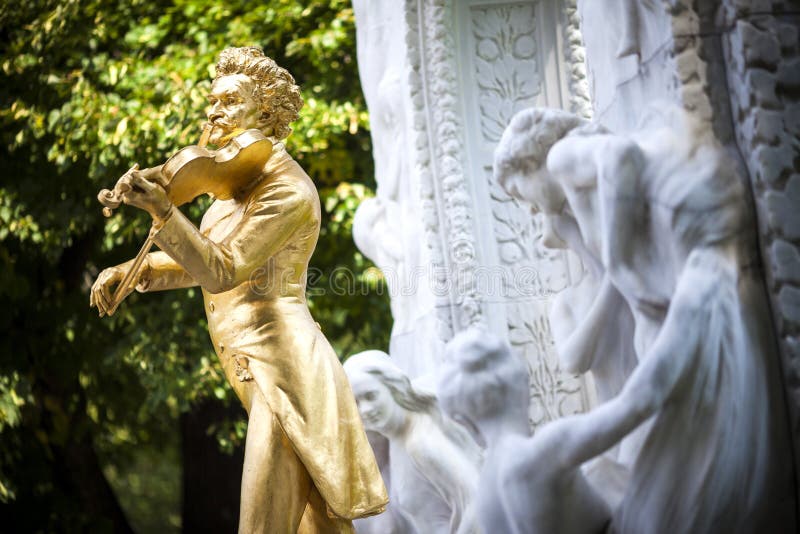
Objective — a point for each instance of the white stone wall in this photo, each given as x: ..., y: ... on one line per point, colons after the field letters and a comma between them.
x: 469, y: 66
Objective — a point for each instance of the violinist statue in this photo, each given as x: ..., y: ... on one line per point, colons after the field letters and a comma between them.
x: 308, y: 466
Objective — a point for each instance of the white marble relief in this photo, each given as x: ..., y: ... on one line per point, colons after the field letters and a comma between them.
x: 434, y: 460
x: 505, y: 63
x: 527, y: 483
x: 387, y: 229
x: 591, y: 323
x: 664, y: 213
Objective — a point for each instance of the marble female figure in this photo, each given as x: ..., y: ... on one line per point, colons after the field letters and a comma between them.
x: 443, y: 455
x: 676, y: 240
x: 308, y: 466
x: 591, y: 323
x: 528, y: 484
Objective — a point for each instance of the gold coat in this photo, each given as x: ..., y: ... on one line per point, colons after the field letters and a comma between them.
x: 250, y: 257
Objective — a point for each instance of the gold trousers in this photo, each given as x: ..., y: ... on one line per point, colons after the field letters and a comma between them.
x: 278, y: 495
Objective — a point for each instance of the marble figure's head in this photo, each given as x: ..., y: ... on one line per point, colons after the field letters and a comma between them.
x: 521, y: 156
x: 481, y: 379
x: 383, y: 392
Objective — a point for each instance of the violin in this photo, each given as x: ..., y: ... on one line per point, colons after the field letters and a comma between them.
x: 193, y: 171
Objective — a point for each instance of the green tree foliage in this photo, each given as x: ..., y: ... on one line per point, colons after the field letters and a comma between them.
x: 89, y: 88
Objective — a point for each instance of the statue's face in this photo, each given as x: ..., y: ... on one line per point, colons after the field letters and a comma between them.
x: 537, y: 188
x: 379, y: 412
x: 522, y: 187
x: 540, y: 191
x: 233, y: 106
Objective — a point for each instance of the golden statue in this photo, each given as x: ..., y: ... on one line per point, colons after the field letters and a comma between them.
x: 308, y: 466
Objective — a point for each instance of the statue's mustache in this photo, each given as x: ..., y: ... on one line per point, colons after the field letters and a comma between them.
x: 220, y: 121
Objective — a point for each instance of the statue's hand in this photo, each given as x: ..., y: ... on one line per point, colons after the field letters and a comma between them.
x: 101, y: 294
x: 143, y: 190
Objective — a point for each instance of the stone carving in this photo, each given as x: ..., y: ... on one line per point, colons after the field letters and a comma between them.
x: 636, y: 17
x: 554, y: 392
x: 508, y: 79
x: 513, y: 80
x: 399, y: 251
x: 504, y: 60
x: 580, y: 98
x: 541, y: 273
x: 732, y: 64
x: 424, y: 164
x: 527, y: 484
x: 439, y: 459
x: 762, y: 60
x: 591, y: 322
x: 629, y: 58
x: 414, y: 343
x: 505, y: 48
x: 394, y: 520
x: 433, y: 73
x: 668, y: 217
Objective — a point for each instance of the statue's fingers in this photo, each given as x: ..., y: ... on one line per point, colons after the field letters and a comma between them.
x: 94, y: 297
x: 138, y: 180
x: 98, y: 301
x: 159, y: 179
x: 105, y: 294
x: 132, y: 198
x: 148, y: 183
x: 101, y: 305
x: 93, y: 300
x: 124, y: 184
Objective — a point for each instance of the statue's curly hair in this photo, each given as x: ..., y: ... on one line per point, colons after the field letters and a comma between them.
x: 528, y: 139
x: 275, y: 89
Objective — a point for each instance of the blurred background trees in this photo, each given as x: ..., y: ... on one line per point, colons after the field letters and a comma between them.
x: 101, y: 418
